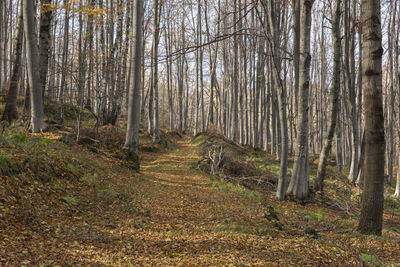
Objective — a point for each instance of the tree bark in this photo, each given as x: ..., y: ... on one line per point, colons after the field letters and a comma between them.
x: 10, y: 112
x: 372, y: 196
x: 299, y: 183
x: 36, y: 99
x: 154, y: 78
x: 333, y: 101
x: 46, y: 15
x: 132, y: 132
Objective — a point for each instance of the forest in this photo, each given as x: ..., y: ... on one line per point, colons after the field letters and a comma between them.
x: 199, y: 133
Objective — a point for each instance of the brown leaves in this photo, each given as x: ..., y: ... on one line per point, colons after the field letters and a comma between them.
x: 171, y: 215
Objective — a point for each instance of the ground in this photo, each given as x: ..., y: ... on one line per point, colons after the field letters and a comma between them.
x: 95, y: 210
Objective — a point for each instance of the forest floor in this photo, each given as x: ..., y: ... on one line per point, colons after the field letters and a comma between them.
x: 67, y: 205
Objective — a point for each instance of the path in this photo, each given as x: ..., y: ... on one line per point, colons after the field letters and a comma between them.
x: 170, y: 214
x: 191, y: 222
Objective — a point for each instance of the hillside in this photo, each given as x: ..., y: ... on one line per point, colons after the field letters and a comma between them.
x: 69, y: 204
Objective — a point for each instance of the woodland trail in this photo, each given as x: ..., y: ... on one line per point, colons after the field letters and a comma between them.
x: 194, y: 221
x: 169, y: 214
x: 191, y: 216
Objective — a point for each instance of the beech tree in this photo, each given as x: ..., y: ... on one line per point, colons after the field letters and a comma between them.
x: 36, y: 99
x: 46, y: 15
x: 372, y: 196
x: 10, y: 112
x: 132, y: 131
x: 299, y: 183
x: 333, y: 100
x: 154, y: 119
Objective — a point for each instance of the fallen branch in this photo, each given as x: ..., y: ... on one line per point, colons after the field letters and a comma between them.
x: 216, y: 158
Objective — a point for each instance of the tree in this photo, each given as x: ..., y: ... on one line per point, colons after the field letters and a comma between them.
x: 63, y: 81
x: 46, y: 15
x: 10, y: 111
x: 2, y: 4
x: 351, y: 106
x: 372, y: 196
x: 235, y: 113
x: 299, y: 183
x: 273, y: 34
x: 132, y: 131
x: 32, y: 59
x: 154, y: 69
x: 333, y: 100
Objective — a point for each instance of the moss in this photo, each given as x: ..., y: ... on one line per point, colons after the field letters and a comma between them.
x: 133, y: 159
x: 86, y: 141
x: 6, y: 167
x: 70, y: 200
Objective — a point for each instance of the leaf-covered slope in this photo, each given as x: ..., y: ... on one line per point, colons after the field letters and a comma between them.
x: 89, y: 208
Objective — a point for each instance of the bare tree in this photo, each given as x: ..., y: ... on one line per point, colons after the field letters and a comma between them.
x: 154, y: 70
x: 46, y: 15
x: 132, y: 132
x: 333, y: 102
x: 10, y: 112
x: 372, y: 196
x: 36, y: 99
x: 299, y: 183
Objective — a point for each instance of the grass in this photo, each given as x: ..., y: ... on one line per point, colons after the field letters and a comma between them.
x: 90, y: 179
x: 392, y: 204
x: 234, y: 227
x: 346, y: 223
x: 237, y: 189
x: 70, y: 200
x: 366, y: 257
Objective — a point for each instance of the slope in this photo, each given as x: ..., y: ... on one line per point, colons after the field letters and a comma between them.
x: 95, y: 210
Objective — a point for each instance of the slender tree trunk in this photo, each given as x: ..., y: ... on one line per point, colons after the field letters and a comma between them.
x: 350, y: 84
x: 168, y: 48
x: 89, y: 39
x: 181, y: 66
x: 396, y: 67
x: 296, y: 53
x: 390, y: 132
x: 156, y: 29
x: 397, y: 191
x: 333, y: 102
x: 235, y: 136
x: 46, y: 15
x: 299, y: 183
x: 64, y: 60
x: 10, y: 111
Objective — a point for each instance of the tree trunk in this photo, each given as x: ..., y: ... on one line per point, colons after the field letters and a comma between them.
x: 10, y: 111
x: 235, y: 114
x: 46, y: 15
x: 36, y: 99
x: 63, y: 85
x: 132, y: 133
x: 154, y: 78
x: 397, y: 191
x: 372, y: 197
x: 350, y: 84
x: 333, y: 101
x: 299, y: 183
x: 296, y: 54
x: 2, y: 43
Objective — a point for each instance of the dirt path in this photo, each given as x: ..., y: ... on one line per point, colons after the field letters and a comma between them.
x: 191, y: 216
x: 170, y: 214
x: 190, y: 220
